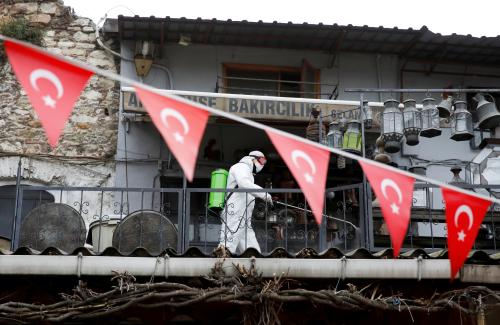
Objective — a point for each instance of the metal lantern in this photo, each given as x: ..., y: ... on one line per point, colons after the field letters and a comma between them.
x: 352, y: 137
x: 445, y: 107
x: 412, y: 119
x: 461, y: 123
x: 487, y: 112
x: 334, y: 136
x: 144, y: 56
x: 420, y: 195
x: 381, y: 156
x: 314, y: 129
x: 342, y: 123
x: 367, y: 115
x: 419, y: 170
x: 341, y: 162
x: 392, y: 126
x: 430, y: 119
x: 456, y: 180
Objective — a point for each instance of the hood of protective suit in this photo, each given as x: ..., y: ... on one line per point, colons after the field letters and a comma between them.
x: 247, y: 160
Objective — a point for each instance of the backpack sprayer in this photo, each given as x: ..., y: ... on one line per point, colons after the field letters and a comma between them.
x: 218, y: 180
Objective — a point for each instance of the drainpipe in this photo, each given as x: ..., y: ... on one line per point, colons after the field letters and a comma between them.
x: 343, y: 268
x: 189, y: 267
x: 16, y: 224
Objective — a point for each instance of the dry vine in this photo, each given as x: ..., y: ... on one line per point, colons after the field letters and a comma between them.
x: 262, y: 299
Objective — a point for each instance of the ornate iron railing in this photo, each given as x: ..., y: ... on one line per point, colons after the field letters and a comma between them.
x: 177, y: 218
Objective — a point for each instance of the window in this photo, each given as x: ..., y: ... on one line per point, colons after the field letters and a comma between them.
x: 251, y: 79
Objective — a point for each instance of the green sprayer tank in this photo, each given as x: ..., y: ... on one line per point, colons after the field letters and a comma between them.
x: 218, y: 180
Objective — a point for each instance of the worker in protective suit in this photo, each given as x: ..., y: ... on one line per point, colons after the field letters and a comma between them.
x: 237, y: 231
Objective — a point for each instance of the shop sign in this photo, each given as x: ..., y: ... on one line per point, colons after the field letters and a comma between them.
x: 257, y: 109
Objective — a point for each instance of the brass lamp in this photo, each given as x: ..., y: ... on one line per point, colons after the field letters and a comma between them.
x: 381, y: 156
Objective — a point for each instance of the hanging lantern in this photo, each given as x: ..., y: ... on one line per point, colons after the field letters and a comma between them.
x: 456, y: 180
x: 412, y: 118
x: 352, y: 137
x: 430, y: 119
x: 381, y: 156
x: 334, y: 136
x: 314, y: 128
x: 461, y: 123
x: 392, y: 126
x: 445, y: 107
x: 367, y: 115
x: 341, y: 162
x: 487, y: 112
x: 420, y: 195
x: 342, y: 123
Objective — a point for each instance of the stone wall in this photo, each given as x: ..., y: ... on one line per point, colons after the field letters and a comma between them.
x: 91, y: 133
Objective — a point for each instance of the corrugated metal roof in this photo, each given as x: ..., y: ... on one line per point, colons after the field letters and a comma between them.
x: 421, y: 44
x: 475, y: 256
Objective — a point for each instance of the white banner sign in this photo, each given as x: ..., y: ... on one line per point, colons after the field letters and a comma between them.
x: 258, y: 109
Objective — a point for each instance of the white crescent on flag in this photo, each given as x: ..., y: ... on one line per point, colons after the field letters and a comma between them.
x: 468, y: 211
x: 165, y: 113
x: 296, y: 154
x: 46, y: 74
x: 387, y: 182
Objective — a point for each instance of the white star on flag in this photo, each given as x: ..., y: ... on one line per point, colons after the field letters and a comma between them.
x: 49, y: 101
x: 461, y: 235
x: 308, y: 178
x: 178, y: 137
x: 395, y: 208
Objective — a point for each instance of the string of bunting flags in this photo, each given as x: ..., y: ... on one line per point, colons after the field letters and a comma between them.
x: 53, y: 83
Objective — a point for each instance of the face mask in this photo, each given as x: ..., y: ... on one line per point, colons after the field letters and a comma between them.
x: 257, y: 167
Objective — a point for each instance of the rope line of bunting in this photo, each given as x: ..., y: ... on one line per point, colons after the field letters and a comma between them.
x: 53, y: 83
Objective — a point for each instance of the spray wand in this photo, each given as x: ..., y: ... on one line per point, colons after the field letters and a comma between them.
x: 324, y: 215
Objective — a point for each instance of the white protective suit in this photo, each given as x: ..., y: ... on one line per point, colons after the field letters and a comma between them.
x: 237, y: 231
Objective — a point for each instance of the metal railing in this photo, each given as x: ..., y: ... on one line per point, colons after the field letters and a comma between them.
x: 428, y: 229
x: 272, y: 87
x: 179, y: 218
x: 289, y: 223
x: 153, y: 217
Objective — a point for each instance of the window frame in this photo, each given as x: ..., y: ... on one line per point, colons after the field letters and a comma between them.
x: 265, y: 68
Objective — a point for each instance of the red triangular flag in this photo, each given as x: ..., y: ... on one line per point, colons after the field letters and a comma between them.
x: 464, y: 215
x: 181, y: 125
x: 395, y: 193
x: 52, y: 85
x: 309, y: 166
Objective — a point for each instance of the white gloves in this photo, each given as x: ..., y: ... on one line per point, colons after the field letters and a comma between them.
x: 269, y: 199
